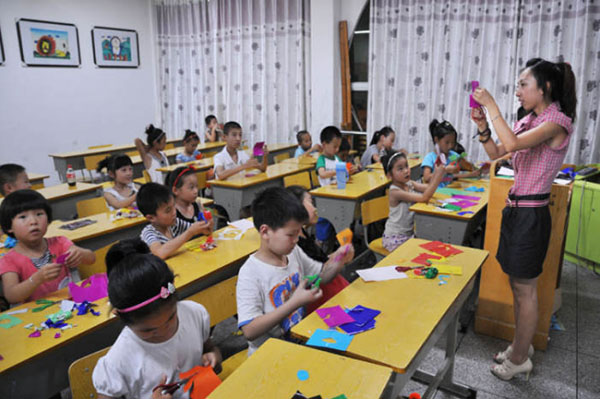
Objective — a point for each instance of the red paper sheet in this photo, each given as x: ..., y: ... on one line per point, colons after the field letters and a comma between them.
x: 422, y: 259
x: 440, y: 248
x: 203, y: 379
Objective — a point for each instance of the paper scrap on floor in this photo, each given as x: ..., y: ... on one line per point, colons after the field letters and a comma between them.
x: 380, y: 273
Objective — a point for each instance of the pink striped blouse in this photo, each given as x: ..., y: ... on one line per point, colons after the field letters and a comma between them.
x: 536, y: 167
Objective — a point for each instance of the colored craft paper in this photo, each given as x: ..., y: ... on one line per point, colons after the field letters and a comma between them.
x: 61, y: 259
x: 448, y: 269
x: 354, y: 328
x: 465, y: 204
x: 422, y: 259
x: 258, y: 149
x: 242, y: 224
x: 330, y: 339
x: 66, y: 305
x: 202, y: 381
x: 91, y: 289
x: 35, y: 334
x: 475, y: 189
x: 472, y: 102
x: 440, y: 248
x: 363, y: 315
x: 464, y: 213
x: 452, y: 207
x: 334, y: 316
x: 302, y: 375
x: 18, y: 311
x: 466, y: 197
x: 380, y: 273
x: 450, y: 191
x: 12, y: 321
x: 344, y: 237
x: 57, y: 335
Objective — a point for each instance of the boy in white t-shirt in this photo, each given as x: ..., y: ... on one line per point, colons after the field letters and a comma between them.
x: 232, y: 159
x: 272, y: 289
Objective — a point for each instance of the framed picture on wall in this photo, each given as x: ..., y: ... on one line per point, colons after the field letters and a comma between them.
x: 115, y: 48
x: 45, y: 43
x: 1, y: 50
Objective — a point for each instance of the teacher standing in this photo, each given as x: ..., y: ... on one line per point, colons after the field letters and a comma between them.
x: 538, y: 143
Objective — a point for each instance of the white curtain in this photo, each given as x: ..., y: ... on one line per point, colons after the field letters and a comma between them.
x: 241, y: 60
x: 424, y: 55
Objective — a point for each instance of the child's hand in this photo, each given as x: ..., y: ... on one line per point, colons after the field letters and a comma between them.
x: 348, y: 249
x: 303, y: 295
x: 200, y: 227
x: 211, y: 359
x: 439, y: 170
x: 452, y: 168
x: 157, y: 394
x: 316, y: 147
x: 265, y: 151
x: 75, y: 257
x: 353, y: 170
x: 48, y: 272
x: 252, y: 163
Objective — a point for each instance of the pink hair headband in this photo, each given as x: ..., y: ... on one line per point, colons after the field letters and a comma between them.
x: 164, y: 294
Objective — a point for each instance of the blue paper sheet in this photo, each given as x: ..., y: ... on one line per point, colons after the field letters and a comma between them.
x: 353, y: 328
x: 319, y: 336
x: 362, y: 315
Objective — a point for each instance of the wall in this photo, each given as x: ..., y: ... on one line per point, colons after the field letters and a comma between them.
x: 326, y: 86
x: 46, y: 110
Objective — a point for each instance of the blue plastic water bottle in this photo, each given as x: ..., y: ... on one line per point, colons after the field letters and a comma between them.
x: 341, y: 174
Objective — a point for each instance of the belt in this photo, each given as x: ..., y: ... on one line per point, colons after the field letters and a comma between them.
x: 528, y: 201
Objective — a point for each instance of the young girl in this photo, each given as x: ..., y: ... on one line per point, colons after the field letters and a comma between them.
x: 29, y: 271
x: 152, y: 154
x: 184, y: 184
x: 120, y: 169
x: 444, y: 136
x: 403, y: 193
x: 190, y: 148
x: 381, y: 144
x: 162, y: 337
x: 539, y: 144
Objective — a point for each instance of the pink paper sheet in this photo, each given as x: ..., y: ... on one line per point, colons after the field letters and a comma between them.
x: 334, y: 316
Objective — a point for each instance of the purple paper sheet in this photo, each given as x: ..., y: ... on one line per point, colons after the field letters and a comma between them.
x: 464, y: 204
x: 466, y: 197
x: 334, y: 316
x: 363, y: 315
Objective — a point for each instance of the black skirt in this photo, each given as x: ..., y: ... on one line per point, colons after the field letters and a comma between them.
x: 524, y: 239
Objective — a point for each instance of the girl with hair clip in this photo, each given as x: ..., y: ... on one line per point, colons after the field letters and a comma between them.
x: 538, y: 144
x: 152, y: 154
x: 381, y: 144
x: 162, y: 337
x: 444, y: 138
x: 190, y: 148
x: 120, y: 169
x: 404, y: 192
x: 183, y: 182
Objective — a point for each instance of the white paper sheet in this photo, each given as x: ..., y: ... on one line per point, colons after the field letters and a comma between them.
x: 504, y: 171
x: 242, y: 224
x: 381, y: 273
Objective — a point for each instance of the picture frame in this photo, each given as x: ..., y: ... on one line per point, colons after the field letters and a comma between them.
x: 2, y: 58
x: 115, y: 47
x: 47, y: 43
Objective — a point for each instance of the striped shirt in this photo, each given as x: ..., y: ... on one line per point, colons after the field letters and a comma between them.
x: 536, y: 167
x: 150, y: 234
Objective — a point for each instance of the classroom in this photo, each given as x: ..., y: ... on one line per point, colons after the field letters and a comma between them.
x: 299, y: 199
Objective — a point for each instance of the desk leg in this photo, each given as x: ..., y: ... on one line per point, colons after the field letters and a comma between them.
x: 60, y: 165
x: 66, y: 208
x: 338, y: 211
x: 415, y: 173
x: 230, y: 199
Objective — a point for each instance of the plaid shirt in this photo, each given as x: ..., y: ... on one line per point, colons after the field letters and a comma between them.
x: 536, y: 167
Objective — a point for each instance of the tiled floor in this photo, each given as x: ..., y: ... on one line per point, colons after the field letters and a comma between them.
x: 570, y: 368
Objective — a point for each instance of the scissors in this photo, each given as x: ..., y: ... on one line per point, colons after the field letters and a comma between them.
x: 172, y: 387
x: 46, y: 303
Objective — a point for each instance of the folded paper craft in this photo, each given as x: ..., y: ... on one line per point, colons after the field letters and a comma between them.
x: 91, y: 289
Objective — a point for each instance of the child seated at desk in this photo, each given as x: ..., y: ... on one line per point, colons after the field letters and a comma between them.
x: 305, y: 145
x: 152, y: 154
x: 400, y: 224
x: 213, y: 129
x: 120, y: 169
x: 444, y: 137
x: 183, y: 182
x: 381, y: 144
x: 166, y: 233
x: 29, y: 271
x: 12, y: 178
x: 331, y: 139
x: 271, y: 288
x: 232, y: 159
x: 161, y: 338
x: 190, y: 148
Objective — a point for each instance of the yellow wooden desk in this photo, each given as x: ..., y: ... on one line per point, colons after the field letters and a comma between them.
x: 414, y: 315
x: 276, y: 149
x: 63, y: 198
x: 340, y: 205
x: 271, y: 372
x: 239, y: 190
x: 36, y: 180
x: 450, y: 227
x: 200, y: 165
x: 303, y: 160
x: 76, y: 158
x: 37, y: 367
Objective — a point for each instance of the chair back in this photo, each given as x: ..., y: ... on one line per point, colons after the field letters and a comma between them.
x: 281, y: 157
x: 80, y: 375
x: 298, y: 179
x: 99, y: 266
x: 92, y: 206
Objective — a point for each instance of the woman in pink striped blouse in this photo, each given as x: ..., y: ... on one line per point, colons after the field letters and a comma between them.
x: 538, y: 145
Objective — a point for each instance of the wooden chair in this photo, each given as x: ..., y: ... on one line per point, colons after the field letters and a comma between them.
x: 201, y: 180
x: 298, y: 179
x: 281, y: 157
x: 93, y: 147
x: 98, y: 266
x: 373, y: 211
x: 146, y: 176
x: 219, y: 301
x: 80, y: 375
x: 91, y: 163
x: 169, y: 146
x: 314, y: 178
x: 92, y: 206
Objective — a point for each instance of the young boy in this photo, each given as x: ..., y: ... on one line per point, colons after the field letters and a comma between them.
x: 271, y: 289
x: 331, y: 139
x: 165, y: 233
x: 231, y: 159
x: 213, y: 129
x: 12, y: 178
x: 305, y: 146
